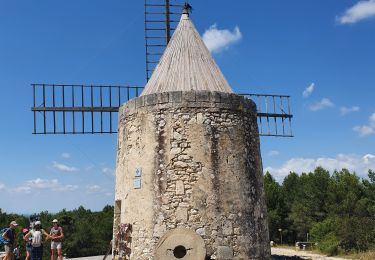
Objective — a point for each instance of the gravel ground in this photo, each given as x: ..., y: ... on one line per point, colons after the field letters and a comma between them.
x: 275, y: 251
x: 98, y: 257
x: 303, y: 254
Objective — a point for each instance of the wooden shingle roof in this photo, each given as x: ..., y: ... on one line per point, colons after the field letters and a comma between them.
x: 186, y: 65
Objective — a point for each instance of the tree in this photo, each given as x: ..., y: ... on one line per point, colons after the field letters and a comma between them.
x: 337, y: 210
x: 275, y: 206
x: 345, y: 191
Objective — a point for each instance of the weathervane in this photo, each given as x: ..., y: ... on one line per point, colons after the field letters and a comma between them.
x: 187, y: 8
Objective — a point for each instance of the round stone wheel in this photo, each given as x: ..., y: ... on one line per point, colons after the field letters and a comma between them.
x: 181, y: 243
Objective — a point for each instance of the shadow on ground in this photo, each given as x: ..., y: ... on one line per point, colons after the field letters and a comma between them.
x: 282, y: 257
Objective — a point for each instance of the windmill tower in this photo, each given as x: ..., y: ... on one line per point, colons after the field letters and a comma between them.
x: 189, y: 172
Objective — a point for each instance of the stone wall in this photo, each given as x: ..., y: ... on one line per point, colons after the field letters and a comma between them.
x: 201, y: 170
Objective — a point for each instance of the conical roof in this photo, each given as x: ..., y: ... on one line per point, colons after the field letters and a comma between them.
x: 186, y: 65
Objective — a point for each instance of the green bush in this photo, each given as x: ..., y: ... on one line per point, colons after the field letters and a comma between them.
x: 329, y: 244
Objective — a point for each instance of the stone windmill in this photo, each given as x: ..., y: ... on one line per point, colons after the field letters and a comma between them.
x: 189, y: 177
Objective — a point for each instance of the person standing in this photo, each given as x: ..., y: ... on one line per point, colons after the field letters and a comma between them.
x: 28, y: 244
x: 56, y: 234
x: 10, y: 238
x: 37, y: 240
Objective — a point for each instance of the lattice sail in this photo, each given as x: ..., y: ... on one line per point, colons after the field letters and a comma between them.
x: 78, y: 109
x: 274, y: 114
x: 161, y: 18
x: 88, y: 109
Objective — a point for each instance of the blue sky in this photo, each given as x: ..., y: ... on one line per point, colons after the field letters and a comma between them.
x: 322, y: 53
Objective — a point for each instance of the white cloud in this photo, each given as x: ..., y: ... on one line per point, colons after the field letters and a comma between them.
x: 44, y: 184
x: 108, y: 171
x: 273, y: 153
x: 307, y: 92
x: 97, y: 189
x: 366, y: 130
x: 217, y: 40
x: 368, y: 158
x: 322, y: 104
x: 2, y: 186
x: 65, y: 155
x: 360, y: 11
x: 372, y: 120
x: 23, y: 189
x: 352, y: 162
x: 63, y: 168
x: 346, y: 110
x: 68, y: 187
x: 94, y: 189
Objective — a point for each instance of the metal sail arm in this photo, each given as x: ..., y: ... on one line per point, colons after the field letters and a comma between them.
x: 75, y: 109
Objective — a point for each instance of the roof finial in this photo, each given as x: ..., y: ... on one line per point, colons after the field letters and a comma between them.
x: 187, y: 9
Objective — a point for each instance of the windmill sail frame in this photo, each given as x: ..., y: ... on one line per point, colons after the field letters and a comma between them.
x: 78, y: 109
x: 90, y: 109
x: 161, y: 18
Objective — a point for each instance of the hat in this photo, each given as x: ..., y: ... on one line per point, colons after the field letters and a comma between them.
x: 55, y: 221
x: 13, y: 223
x: 37, y: 223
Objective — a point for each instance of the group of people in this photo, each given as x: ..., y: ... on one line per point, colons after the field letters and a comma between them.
x: 34, y: 240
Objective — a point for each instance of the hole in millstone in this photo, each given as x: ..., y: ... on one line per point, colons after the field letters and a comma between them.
x: 179, y: 252
x: 208, y: 257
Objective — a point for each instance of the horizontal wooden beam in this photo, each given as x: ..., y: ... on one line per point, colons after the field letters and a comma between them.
x: 272, y: 115
x: 75, y: 109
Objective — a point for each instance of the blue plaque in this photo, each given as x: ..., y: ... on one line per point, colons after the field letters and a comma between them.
x: 137, y: 183
x: 138, y: 172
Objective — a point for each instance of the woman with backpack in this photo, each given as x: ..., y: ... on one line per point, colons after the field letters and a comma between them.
x: 56, y: 235
x: 37, y: 240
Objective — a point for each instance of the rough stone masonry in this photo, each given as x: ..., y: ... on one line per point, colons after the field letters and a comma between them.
x: 189, y: 177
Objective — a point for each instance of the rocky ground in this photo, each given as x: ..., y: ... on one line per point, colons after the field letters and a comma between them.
x: 303, y: 254
x: 98, y: 257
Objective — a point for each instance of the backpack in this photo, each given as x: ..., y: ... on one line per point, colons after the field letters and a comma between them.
x: 37, y: 238
x: 2, y: 240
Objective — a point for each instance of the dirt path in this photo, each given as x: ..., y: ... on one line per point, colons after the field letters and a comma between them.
x: 303, y: 254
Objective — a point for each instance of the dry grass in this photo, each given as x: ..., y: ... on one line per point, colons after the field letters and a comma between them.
x: 370, y: 255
